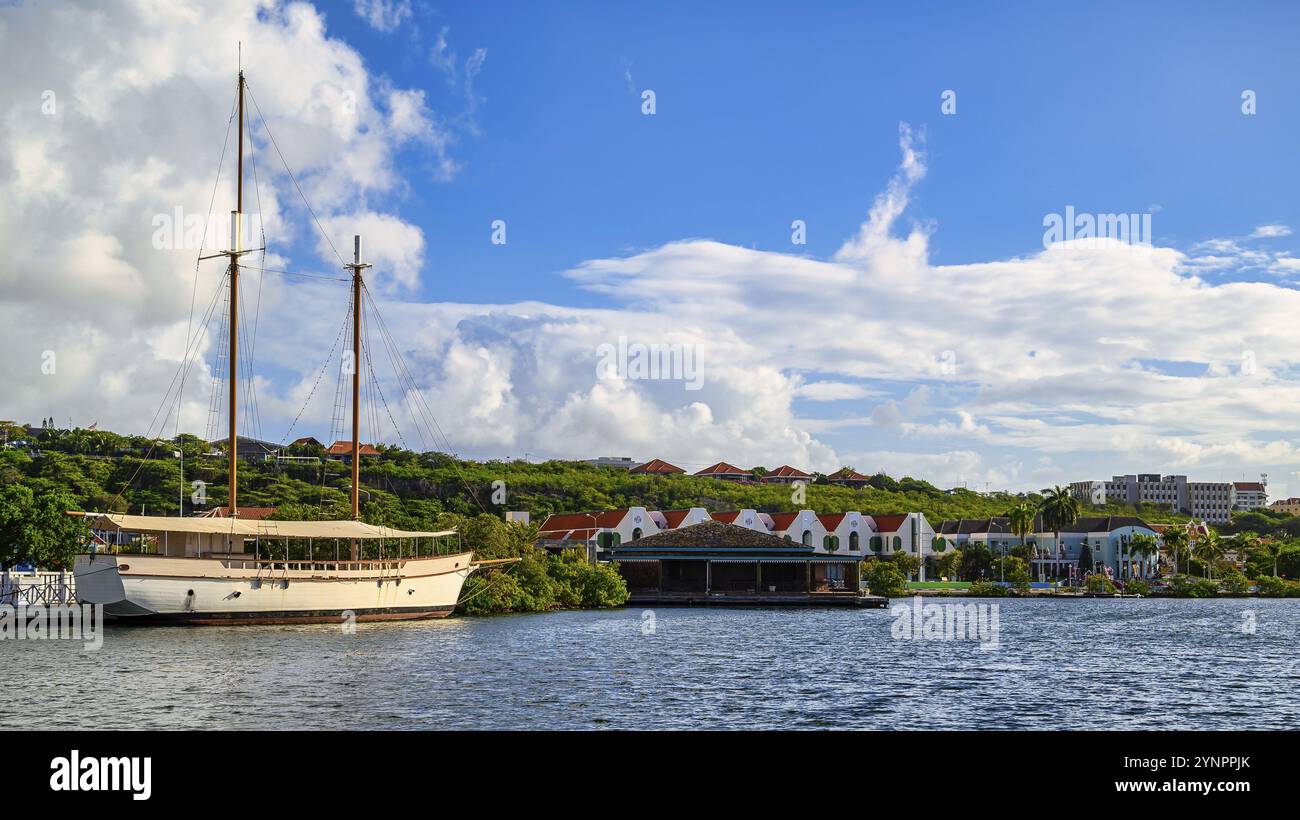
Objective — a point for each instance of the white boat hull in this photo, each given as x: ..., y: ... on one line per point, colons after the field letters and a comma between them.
x: 150, y: 588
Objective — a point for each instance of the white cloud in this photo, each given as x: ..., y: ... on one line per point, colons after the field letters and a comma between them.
x: 1056, y: 362
x: 1270, y: 232
x: 383, y: 15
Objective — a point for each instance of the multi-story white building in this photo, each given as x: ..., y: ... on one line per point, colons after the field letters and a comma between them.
x: 1208, y: 500
x: 1251, y: 495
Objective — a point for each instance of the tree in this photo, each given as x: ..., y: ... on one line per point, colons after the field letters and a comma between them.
x: 907, y: 563
x: 1270, y: 548
x: 1144, y: 546
x: 1208, y: 549
x: 1085, y: 559
x: 947, y: 563
x: 1021, y: 517
x: 1175, y: 538
x: 884, y: 578
x: 1059, y: 510
x: 39, y: 530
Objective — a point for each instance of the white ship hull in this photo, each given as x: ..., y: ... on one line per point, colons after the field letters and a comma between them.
x: 152, y: 588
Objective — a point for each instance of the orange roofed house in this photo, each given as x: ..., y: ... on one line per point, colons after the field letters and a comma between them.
x: 342, y: 450
x: 725, y: 472
x: 656, y: 466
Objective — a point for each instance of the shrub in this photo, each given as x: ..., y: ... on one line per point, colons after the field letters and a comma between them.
x: 986, y: 589
x: 884, y: 578
x: 1137, y: 586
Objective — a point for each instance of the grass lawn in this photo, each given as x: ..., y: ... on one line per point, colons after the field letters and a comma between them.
x: 938, y: 584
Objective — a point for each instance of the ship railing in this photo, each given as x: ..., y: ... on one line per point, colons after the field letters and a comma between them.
x: 39, y: 589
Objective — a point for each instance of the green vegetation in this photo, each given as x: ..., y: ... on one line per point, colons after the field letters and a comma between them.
x: 883, y: 577
x: 986, y: 589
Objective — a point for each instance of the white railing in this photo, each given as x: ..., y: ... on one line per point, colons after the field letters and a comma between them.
x: 40, y: 589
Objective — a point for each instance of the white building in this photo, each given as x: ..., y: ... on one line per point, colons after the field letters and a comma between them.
x: 1251, y: 495
x: 1208, y: 500
x: 803, y: 527
x: 607, y: 529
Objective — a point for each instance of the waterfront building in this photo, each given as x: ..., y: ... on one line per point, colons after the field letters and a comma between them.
x: 750, y: 519
x: 725, y: 472
x: 994, y: 533
x: 785, y: 474
x: 1208, y: 500
x: 1250, y: 495
x: 606, y: 529
x: 674, y: 519
x: 846, y: 532
x: 905, y: 532
x: 716, y: 562
x: 656, y: 466
x: 803, y: 527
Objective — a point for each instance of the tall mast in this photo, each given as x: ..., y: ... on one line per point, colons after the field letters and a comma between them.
x: 356, y: 267
x: 236, y: 229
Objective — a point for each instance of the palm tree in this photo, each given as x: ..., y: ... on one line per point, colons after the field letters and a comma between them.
x: 1059, y: 509
x: 1272, y: 548
x: 1021, y: 518
x: 1209, y: 548
x: 1144, y: 546
x: 1175, y: 538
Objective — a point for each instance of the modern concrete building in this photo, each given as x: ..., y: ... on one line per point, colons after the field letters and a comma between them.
x: 613, y: 462
x: 1208, y: 500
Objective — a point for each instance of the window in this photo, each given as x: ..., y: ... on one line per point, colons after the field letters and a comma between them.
x: 853, y: 542
x: 636, y: 534
x: 877, y: 543
x: 898, y: 543
x: 807, y: 538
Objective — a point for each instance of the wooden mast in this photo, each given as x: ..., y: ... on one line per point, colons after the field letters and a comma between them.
x: 356, y: 267
x: 236, y: 236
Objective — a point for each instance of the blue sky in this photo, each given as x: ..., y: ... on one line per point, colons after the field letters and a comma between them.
x: 768, y: 112
x: 925, y: 328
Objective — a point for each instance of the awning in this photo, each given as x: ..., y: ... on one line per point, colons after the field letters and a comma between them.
x: 252, y: 529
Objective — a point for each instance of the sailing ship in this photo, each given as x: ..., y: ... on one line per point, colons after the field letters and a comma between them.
x: 211, y: 570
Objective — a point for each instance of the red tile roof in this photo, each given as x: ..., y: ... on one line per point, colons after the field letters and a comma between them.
x: 831, y: 520
x: 726, y: 517
x: 565, y: 522
x: 1249, y: 485
x: 786, y: 471
x: 783, y: 520
x: 848, y: 474
x: 656, y: 466
x: 674, y: 518
x: 306, y: 440
x: 722, y: 468
x: 344, y: 448
x: 888, y: 523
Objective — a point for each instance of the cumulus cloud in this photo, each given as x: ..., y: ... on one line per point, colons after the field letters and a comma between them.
x: 1073, y: 362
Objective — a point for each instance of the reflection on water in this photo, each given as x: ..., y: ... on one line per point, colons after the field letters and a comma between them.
x: 1102, y: 664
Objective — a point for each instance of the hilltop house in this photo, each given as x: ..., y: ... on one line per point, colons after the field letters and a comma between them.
x: 656, y: 466
x: 725, y: 472
x: 785, y: 474
x: 849, y: 477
